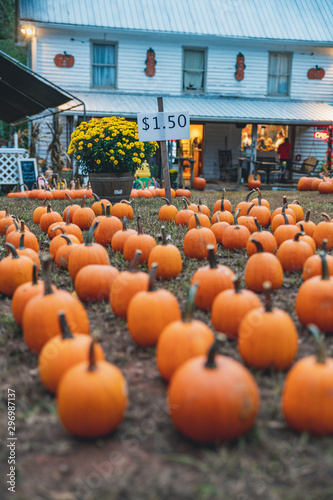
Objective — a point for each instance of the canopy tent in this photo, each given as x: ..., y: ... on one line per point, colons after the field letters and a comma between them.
x: 24, y: 93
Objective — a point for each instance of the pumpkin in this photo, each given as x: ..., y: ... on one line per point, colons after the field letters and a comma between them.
x: 204, y: 209
x: 218, y: 228
x: 224, y: 215
x: 212, y: 279
x: 262, y: 267
x: 83, y: 216
x: 5, y: 222
x: 107, y: 227
x: 304, y: 183
x: 149, y: 312
x: 254, y: 181
x: 261, y: 212
x: 87, y: 253
x: 29, y: 252
x: 230, y: 306
x: 183, y: 192
x: 71, y: 207
x: 305, y: 237
x: 315, y: 298
x: 119, y: 238
x: 14, y: 270
x: 298, y: 210
x: 62, y: 352
x: 293, y: 253
x: 69, y: 227
x: 168, y: 258
x: 267, y: 337
x: 40, y: 319
x: 38, y: 212
x: 24, y: 293
x: 316, y: 73
x: 192, y: 206
x: 243, y: 206
x: 123, y: 209
x: 58, y: 241
x: 167, y: 212
x: 199, y: 183
x: 313, y: 265
x: 49, y: 218
x: 97, y: 206
x: 203, y: 219
x: 247, y: 220
x: 285, y: 231
x: 183, y: 216
x: 235, y: 237
x: 126, y: 285
x: 202, y: 412
x: 315, y: 183
x: 63, y: 251
x: 323, y: 230
x: 263, y: 201
x: 94, y: 282
x: 226, y: 203
x: 183, y: 339
x: 196, y: 241
x: 266, y: 239
x: 308, y: 226
x: 98, y: 405
x: 139, y: 241
x: 286, y: 209
x: 30, y: 239
x: 281, y: 218
x: 307, y: 392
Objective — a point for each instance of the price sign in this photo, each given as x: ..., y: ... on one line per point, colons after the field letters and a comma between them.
x: 28, y: 172
x: 163, y: 126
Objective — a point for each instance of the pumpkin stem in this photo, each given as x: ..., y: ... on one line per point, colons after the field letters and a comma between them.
x: 139, y: 224
x: 307, y: 217
x: 295, y: 202
x: 189, y: 308
x: 236, y: 216
x: 284, y: 201
x: 22, y: 228
x: 124, y: 223
x: 90, y: 234
x: 47, y: 262
x: 34, y: 274
x: 83, y: 200
x: 223, y: 193
x: 197, y: 221
x: 301, y: 227
x: 222, y: 205
x: 133, y: 267
x: 249, y: 209
x: 327, y: 217
x: 65, y: 331
x: 211, y: 257
x: 108, y: 210
x: 12, y: 250
x: 267, y: 285
x: 97, y: 198
x: 48, y: 210
x: 61, y: 228
x: 257, y: 243
x: 127, y: 202
x: 259, y: 228
x: 218, y: 216
x: 249, y: 194
x: 66, y: 238
x: 210, y: 363
x: 286, y: 220
x: 298, y: 235
x: 236, y: 281
x: 21, y: 242
x: 319, y: 338
x: 323, y: 245
x: 68, y: 216
x: 325, y: 275
x: 166, y: 201
x: 152, y: 277
x: 186, y: 202
x: 164, y: 236
x: 92, y: 359
x: 68, y: 196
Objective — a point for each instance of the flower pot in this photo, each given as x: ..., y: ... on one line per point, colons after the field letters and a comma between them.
x: 113, y: 187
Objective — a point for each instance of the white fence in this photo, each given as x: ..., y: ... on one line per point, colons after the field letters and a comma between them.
x: 9, y: 173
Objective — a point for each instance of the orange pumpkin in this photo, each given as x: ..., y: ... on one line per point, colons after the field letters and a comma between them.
x: 199, y: 183
x: 168, y: 258
x: 119, y: 238
x: 196, y: 241
x: 167, y: 212
x: 262, y: 267
x: 139, y: 241
x: 14, y: 270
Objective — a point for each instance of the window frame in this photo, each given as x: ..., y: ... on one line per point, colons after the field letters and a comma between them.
x: 204, y: 71
x: 277, y: 53
x: 92, y: 64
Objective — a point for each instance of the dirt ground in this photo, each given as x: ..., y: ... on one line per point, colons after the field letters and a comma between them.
x: 146, y: 458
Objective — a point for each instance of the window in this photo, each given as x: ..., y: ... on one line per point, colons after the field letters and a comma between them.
x: 279, y: 74
x: 194, y: 70
x: 103, y: 65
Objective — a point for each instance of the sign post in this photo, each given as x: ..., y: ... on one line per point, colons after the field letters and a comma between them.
x: 163, y: 126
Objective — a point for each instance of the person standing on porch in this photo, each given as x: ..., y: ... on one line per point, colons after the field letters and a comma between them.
x: 284, y: 151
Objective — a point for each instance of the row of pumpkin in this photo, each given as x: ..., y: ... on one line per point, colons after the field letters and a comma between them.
x: 131, y: 293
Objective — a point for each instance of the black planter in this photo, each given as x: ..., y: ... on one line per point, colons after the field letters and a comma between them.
x: 112, y: 187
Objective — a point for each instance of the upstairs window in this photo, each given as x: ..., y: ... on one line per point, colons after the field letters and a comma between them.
x: 194, y: 70
x: 103, y: 65
x: 279, y: 74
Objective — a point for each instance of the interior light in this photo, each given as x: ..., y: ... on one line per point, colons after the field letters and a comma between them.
x: 23, y: 31
x: 28, y: 30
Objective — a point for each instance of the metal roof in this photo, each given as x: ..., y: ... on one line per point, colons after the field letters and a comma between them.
x: 232, y: 110
x: 299, y: 20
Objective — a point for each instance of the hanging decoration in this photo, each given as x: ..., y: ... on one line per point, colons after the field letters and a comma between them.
x: 150, y: 63
x: 64, y: 60
x: 240, y: 67
x: 316, y: 73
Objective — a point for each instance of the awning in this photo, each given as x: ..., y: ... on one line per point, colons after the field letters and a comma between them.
x: 23, y: 93
x: 211, y: 109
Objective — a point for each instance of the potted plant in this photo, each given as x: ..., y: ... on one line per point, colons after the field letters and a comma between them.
x: 109, y: 151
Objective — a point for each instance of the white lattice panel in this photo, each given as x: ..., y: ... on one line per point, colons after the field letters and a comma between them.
x: 8, y: 164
